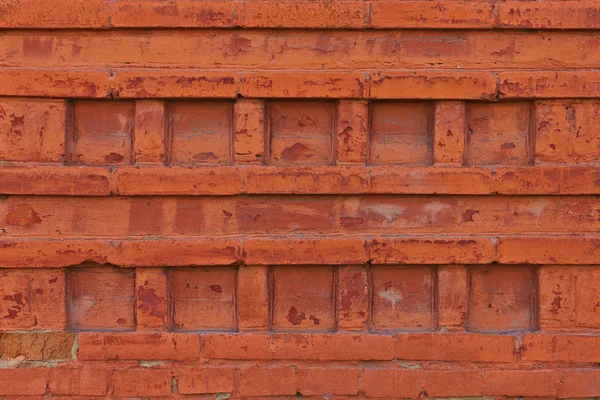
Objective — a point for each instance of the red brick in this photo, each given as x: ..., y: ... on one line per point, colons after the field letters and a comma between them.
x: 101, y: 298
x: 79, y: 380
x: 302, y: 14
x: 579, y: 383
x: 32, y: 130
x: 203, y: 298
x: 296, y: 346
x: 433, y: 85
x: 158, y: 83
x: 286, y: 251
x: 548, y: 250
x: 201, y: 132
x: 149, y: 134
x: 142, y: 382
x: 253, y: 298
x: 564, y: 131
x: 449, y: 133
x: 138, y: 346
x: 520, y: 382
x: 185, y: 13
x: 151, y: 299
x: 274, y: 84
x: 501, y: 298
x: 204, y: 380
x: 301, y: 133
x: 16, y: 301
x: 172, y: 181
x: 454, y: 383
x: 38, y: 346
x: 353, y: 298
x: 553, y: 15
x: 102, y: 133
x: 455, y: 347
x: 424, y: 14
x: 549, y: 347
x: 314, y: 381
x: 23, y: 381
x: 332, y: 347
x: 352, y: 123
x: 453, y: 292
x: 546, y: 84
x: 498, y: 134
x: 56, y: 83
x: 268, y: 381
x: 303, y: 298
x: 237, y: 346
x: 249, y: 131
x: 394, y: 383
x: 403, y: 298
x: 401, y: 133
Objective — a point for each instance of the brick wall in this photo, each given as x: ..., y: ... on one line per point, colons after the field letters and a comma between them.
x: 279, y: 199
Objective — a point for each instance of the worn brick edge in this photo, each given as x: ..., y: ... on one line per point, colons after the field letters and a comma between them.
x: 345, y: 14
x: 298, y: 250
x: 61, y: 180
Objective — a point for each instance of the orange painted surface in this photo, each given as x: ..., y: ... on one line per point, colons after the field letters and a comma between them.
x: 261, y: 199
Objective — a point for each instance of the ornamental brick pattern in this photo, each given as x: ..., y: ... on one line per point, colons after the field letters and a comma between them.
x: 330, y: 199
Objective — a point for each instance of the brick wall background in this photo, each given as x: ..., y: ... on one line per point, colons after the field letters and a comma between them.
x: 277, y: 199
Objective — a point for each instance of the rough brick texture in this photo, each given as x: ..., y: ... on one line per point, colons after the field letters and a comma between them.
x: 330, y: 199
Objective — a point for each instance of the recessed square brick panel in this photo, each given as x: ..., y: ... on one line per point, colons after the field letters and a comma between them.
x: 403, y: 298
x: 569, y: 298
x: 301, y: 132
x: 32, y: 130
x: 203, y: 298
x: 15, y: 301
x: 303, y: 299
x: 102, y: 132
x: 401, y: 133
x: 101, y: 297
x: 567, y: 131
x: 498, y: 133
x: 201, y: 132
x: 501, y: 298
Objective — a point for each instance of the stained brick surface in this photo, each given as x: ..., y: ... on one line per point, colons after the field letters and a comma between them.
x: 261, y: 199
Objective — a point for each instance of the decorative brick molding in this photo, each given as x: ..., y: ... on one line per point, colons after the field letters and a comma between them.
x: 263, y: 199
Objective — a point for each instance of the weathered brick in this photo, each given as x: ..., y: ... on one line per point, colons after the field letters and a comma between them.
x: 403, y: 298
x: 79, y: 380
x: 101, y: 298
x: 102, y: 133
x: 204, y: 380
x: 498, y: 134
x: 249, y: 132
x: 149, y: 134
x: 353, y: 298
x: 565, y: 133
x: 303, y: 298
x: 203, y: 298
x: 151, y: 298
x: 401, y: 133
x: 138, y: 346
x: 455, y: 347
x: 452, y: 298
x: 201, y: 133
x: 142, y: 382
x: 301, y: 133
x: 352, y: 135
x: 449, y: 133
x: 253, y: 298
x: 501, y: 298
x: 32, y: 130
x: 36, y: 346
